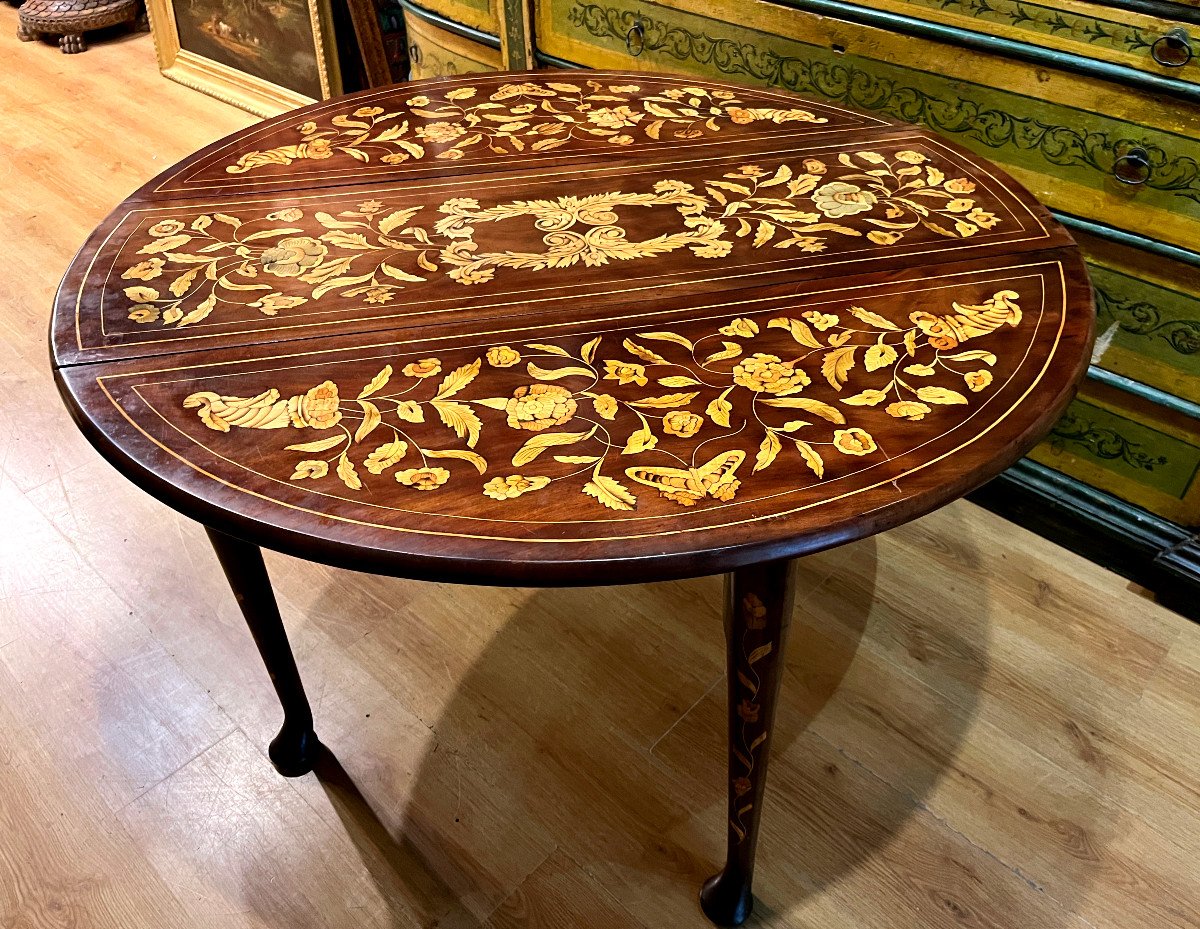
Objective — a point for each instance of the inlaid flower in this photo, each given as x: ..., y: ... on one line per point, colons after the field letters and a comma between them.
x: 426, y: 367
x: 316, y: 409
x: 838, y: 198
x: 293, y: 256
x: 964, y: 228
x: 306, y: 127
x: 502, y: 356
x: 982, y: 218
x: 423, y: 478
x: 742, y: 786
x: 754, y: 612
x: 144, y: 270
x: 620, y: 140
x: 526, y: 89
x: 310, y: 468
x: 370, y: 206
x: 960, y: 185
x: 960, y: 205
x: 317, y: 149
x: 626, y: 88
x: 748, y: 711
x: 911, y: 157
x: 419, y: 100
x: 394, y: 158
x: 682, y: 423
x: 907, y: 409
x: 740, y: 115
x: 605, y: 406
x: 673, y: 92
x: 290, y: 215
x: 468, y: 275
x: 769, y: 374
x: 854, y: 441
x: 539, y: 407
x: 440, y: 132
x: 451, y: 154
x: 879, y: 237
x: 813, y: 166
x: 821, y: 321
x: 741, y: 326
x: 141, y: 294
x: 272, y: 303
x: 506, y: 488
x: 378, y: 295
x: 614, y: 117
x: 625, y: 373
x: 367, y: 112
x: 166, y: 227
x: 977, y: 380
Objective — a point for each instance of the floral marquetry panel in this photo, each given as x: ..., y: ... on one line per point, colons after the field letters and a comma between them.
x: 503, y: 122
x: 544, y: 327
x: 372, y: 257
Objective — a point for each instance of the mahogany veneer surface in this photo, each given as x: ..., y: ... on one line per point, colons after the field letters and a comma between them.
x: 527, y: 327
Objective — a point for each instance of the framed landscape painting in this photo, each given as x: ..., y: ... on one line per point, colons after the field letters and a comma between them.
x: 265, y: 56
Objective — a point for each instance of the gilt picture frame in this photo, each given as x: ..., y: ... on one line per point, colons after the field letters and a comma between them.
x: 265, y: 56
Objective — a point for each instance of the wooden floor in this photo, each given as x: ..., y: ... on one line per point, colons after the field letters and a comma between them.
x: 978, y: 729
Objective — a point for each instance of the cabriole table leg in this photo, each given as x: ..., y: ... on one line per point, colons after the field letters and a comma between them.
x: 294, y: 750
x: 758, y: 608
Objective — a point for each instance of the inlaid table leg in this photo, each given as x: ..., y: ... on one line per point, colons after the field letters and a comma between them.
x: 758, y: 608
x: 294, y: 750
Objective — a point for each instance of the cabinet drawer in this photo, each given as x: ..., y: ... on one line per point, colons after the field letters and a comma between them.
x: 1003, y: 109
x: 436, y: 52
x: 1161, y: 44
x: 478, y: 14
x: 1131, y: 448
x: 1147, y: 316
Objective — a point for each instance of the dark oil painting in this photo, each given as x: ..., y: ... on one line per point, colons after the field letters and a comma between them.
x: 270, y: 39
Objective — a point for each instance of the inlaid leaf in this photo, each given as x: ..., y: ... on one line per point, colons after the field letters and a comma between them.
x: 397, y: 219
x: 874, y: 319
x: 719, y: 409
x: 371, y: 419
x: 378, y: 382
x: 578, y: 459
x: 459, y: 417
x: 811, y: 457
x: 164, y: 245
x: 544, y: 440
x: 330, y: 223
x: 398, y: 275
x: 228, y: 220
x: 941, y: 395
x: 233, y: 285
x: 730, y: 350
x: 986, y: 357
x: 180, y: 285
x: 320, y: 445
x: 269, y: 234
x: 410, y: 411
x: 910, y: 342
x: 866, y: 398
x: 920, y: 370
x: 643, y: 353
x: 589, y: 350
x: 334, y: 283
x: 768, y: 451
x: 837, y: 364
x: 476, y: 459
x: 348, y: 473
x: 457, y: 379
x: 824, y: 410
x: 199, y: 313
x: 610, y: 492
x: 386, y: 455
x: 678, y: 381
x: 759, y: 653
x: 552, y: 349
x: 640, y: 441
x: 666, y: 401
x: 798, y: 328
x: 495, y: 403
x: 667, y: 337
x: 554, y: 374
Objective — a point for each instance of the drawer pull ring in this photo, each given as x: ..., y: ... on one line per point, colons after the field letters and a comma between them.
x: 635, y: 39
x: 1173, y: 49
x: 414, y: 53
x: 1133, y: 167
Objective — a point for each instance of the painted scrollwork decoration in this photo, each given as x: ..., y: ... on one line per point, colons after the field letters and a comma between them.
x: 656, y: 413
x: 210, y: 263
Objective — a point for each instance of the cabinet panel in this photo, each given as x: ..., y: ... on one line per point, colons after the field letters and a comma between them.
x: 434, y: 52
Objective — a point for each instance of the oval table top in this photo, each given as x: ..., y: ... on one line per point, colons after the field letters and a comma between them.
x: 566, y: 327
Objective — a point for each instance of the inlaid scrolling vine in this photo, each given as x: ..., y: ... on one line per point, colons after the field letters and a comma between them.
x: 269, y: 264
x: 534, y: 116
x: 609, y: 415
